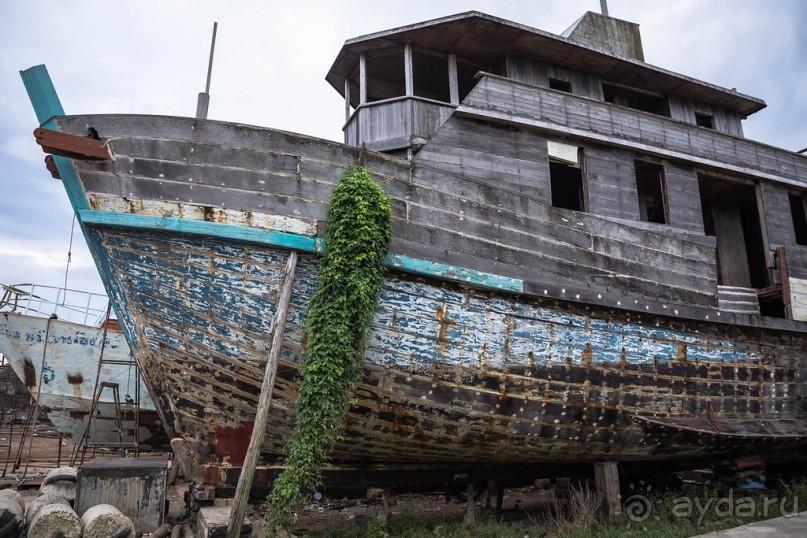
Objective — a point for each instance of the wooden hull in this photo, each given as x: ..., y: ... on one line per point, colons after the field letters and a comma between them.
x: 71, y: 353
x: 452, y: 375
x: 509, y: 331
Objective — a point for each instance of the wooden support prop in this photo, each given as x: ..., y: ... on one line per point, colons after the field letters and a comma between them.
x: 470, y: 508
x: 259, y: 430
x: 386, y: 501
x: 606, y: 478
x: 72, y: 146
x: 495, y: 496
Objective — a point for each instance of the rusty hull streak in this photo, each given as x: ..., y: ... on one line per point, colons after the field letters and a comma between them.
x: 30, y: 374
x: 75, y: 379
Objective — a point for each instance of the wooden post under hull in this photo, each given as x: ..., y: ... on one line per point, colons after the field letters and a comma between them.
x: 606, y: 478
x: 259, y: 430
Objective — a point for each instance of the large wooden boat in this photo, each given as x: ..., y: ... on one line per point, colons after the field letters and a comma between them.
x: 59, y: 359
x: 590, y: 262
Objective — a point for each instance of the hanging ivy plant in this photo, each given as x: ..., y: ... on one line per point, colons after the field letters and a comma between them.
x: 357, y: 236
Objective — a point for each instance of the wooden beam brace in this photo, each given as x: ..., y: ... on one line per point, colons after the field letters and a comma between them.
x: 362, y: 79
x: 72, y: 146
x: 408, y: 69
x: 453, y: 83
x: 261, y: 418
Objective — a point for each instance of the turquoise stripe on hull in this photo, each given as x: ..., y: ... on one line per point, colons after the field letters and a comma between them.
x: 295, y: 242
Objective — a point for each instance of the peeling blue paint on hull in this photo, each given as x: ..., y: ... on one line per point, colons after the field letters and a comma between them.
x: 71, y: 357
x: 452, y: 375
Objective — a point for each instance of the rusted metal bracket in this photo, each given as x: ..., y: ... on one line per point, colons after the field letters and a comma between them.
x: 72, y: 146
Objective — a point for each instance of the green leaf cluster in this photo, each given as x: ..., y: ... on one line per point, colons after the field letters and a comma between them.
x: 357, y: 235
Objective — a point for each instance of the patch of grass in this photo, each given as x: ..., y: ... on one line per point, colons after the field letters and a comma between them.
x: 672, y: 514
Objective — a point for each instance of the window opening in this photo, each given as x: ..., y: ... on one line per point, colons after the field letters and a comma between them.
x: 566, y: 176
x: 560, y: 85
x: 647, y: 102
x: 798, y: 210
x: 652, y: 191
x: 431, y: 76
x: 731, y: 214
x: 385, y: 75
x: 704, y: 120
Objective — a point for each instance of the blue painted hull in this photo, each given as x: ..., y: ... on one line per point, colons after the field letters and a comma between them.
x: 452, y: 374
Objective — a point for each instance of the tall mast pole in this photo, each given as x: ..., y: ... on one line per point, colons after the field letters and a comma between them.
x: 204, y: 97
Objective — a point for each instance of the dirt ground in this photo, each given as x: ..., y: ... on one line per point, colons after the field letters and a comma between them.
x: 317, y: 517
x: 26, y: 465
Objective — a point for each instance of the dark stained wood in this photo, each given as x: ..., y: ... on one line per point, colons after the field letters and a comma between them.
x: 606, y: 477
x: 50, y: 164
x: 71, y: 146
x: 784, y: 274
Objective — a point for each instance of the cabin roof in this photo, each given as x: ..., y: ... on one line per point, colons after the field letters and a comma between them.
x: 481, y: 39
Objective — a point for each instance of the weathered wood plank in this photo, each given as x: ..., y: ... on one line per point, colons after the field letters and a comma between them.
x: 495, y: 96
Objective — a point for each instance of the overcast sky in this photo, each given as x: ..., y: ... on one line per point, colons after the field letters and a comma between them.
x: 271, y: 58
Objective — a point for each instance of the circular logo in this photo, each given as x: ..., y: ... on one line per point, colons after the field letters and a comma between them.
x: 638, y: 508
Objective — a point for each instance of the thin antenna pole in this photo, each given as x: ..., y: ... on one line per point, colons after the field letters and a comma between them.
x: 204, y: 97
x: 212, y: 49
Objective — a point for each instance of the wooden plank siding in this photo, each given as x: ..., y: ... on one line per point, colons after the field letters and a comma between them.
x: 510, y: 158
x: 503, y: 100
x: 611, y: 181
x: 775, y: 206
x: 683, y: 196
x: 488, y: 214
x: 395, y: 123
x: 797, y: 261
x: 724, y: 120
x: 538, y: 73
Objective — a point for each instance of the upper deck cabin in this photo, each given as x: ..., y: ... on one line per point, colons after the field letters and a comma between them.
x: 581, y: 122
x: 400, y: 85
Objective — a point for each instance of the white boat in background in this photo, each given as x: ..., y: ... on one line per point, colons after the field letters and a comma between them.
x: 53, y: 339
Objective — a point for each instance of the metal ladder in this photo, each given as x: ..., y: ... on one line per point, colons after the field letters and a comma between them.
x: 123, y: 444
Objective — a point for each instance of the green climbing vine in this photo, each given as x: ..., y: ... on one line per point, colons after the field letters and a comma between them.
x: 357, y: 236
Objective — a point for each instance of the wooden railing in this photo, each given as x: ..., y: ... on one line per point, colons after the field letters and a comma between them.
x: 396, y: 123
